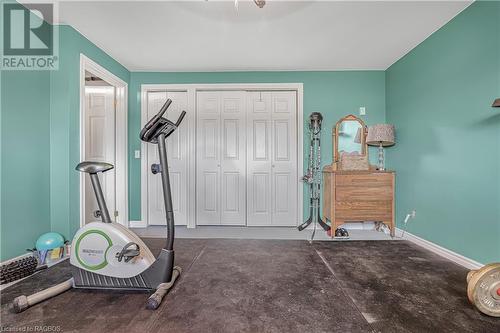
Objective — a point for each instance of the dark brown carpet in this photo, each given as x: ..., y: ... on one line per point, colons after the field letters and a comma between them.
x: 272, y: 286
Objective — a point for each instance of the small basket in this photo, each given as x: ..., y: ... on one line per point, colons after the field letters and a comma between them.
x: 354, y: 162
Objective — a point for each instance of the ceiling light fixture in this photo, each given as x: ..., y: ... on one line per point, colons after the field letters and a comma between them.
x: 259, y: 3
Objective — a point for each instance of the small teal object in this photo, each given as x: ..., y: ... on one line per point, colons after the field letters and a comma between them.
x: 49, y: 241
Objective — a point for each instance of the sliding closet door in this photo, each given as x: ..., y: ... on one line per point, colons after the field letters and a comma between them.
x: 272, y: 159
x: 220, y: 183
x: 177, y: 149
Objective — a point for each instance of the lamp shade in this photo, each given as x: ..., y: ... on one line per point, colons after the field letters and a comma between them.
x: 380, y: 134
x: 496, y: 103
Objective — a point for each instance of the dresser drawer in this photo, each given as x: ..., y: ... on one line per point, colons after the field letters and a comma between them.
x: 362, y: 193
x: 364, y: 180
x: 363, y: 210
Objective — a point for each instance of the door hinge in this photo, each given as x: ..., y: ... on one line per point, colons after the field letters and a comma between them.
x: 116, y: 213
x: 116, y: 102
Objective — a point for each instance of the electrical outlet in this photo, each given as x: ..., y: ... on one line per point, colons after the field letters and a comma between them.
x: 362, y: 111
x: 137, y: 154
x: 413, y: 214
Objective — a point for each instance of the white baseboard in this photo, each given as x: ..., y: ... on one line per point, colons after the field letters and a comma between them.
x: 137, y: 224
x: 443, y: 252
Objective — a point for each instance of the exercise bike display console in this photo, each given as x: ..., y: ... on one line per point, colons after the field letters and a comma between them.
x: 107, y: 255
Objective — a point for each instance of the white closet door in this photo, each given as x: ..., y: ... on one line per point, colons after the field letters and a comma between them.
x: 259, y: 176
x: 272, y: 159
x: 284, y: 158
x: 208, y: 210
x: 221, y: 145
x: 233, y: 158
x: 177, y: 150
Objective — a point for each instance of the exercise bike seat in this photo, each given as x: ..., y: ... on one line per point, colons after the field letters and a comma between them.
x: 93, y: 167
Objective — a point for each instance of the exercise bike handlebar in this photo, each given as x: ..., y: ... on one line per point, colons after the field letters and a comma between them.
x: 159, y: 125
x: 158, y: 115
x: 179, y: 120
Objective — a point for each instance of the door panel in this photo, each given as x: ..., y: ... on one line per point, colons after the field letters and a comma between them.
x: 230, y: 192
x: 210, y: 186
x: 207, y: 161
x: 260, y: 129
x: 261, y: 188
x: 231, y: 138
x: 281, y: 192
x: 284, y: 161
x: 282, y: 140
x: 177, y: 153
x: 210, y: 138
x: 233, y: 158
x: 99, y: 146
x: 259, y: 110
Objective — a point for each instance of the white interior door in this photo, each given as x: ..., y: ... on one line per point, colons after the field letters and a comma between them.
x: 177, y: 152
x: 100, y: 145
x: 272, y: 158
x: 220, y: 152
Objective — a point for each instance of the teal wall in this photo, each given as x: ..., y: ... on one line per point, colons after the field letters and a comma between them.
x: 438, y: 96
x: 334, y: 94
x: 448, y: 137
x: 40, y: 145
x: 65, y: 124
x: 25, y: 147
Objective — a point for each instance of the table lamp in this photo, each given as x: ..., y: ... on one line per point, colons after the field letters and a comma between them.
x: 381, y: 135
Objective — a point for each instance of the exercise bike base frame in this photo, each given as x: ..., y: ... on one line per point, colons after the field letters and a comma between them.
x: 159, y: 272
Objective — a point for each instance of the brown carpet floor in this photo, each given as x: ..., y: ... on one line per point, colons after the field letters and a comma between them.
x: 271, y: 286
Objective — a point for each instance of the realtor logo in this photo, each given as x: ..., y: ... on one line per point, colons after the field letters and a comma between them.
x: 29, y: 38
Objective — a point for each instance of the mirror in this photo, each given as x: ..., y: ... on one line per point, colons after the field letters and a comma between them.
x: 349, y: 136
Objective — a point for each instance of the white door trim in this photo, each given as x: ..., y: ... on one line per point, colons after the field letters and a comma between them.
x: 192, y: 89
x: 121, y: 149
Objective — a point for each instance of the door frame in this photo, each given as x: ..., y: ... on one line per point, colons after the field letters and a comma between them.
x: 121, y: 144
x: 191, y: 90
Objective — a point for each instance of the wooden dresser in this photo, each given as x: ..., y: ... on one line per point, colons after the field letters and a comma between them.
x: 357, y: 196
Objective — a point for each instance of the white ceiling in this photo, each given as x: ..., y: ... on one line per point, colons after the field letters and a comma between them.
x: 284, y: 35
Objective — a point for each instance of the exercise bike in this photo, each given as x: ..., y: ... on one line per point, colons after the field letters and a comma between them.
x: 107, y: 255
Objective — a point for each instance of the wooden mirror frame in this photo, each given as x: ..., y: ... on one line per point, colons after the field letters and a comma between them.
x: 335, y: 137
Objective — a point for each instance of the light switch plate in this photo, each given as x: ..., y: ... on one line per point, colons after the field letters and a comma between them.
x: 362, y: 111
x: 137, y: 154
